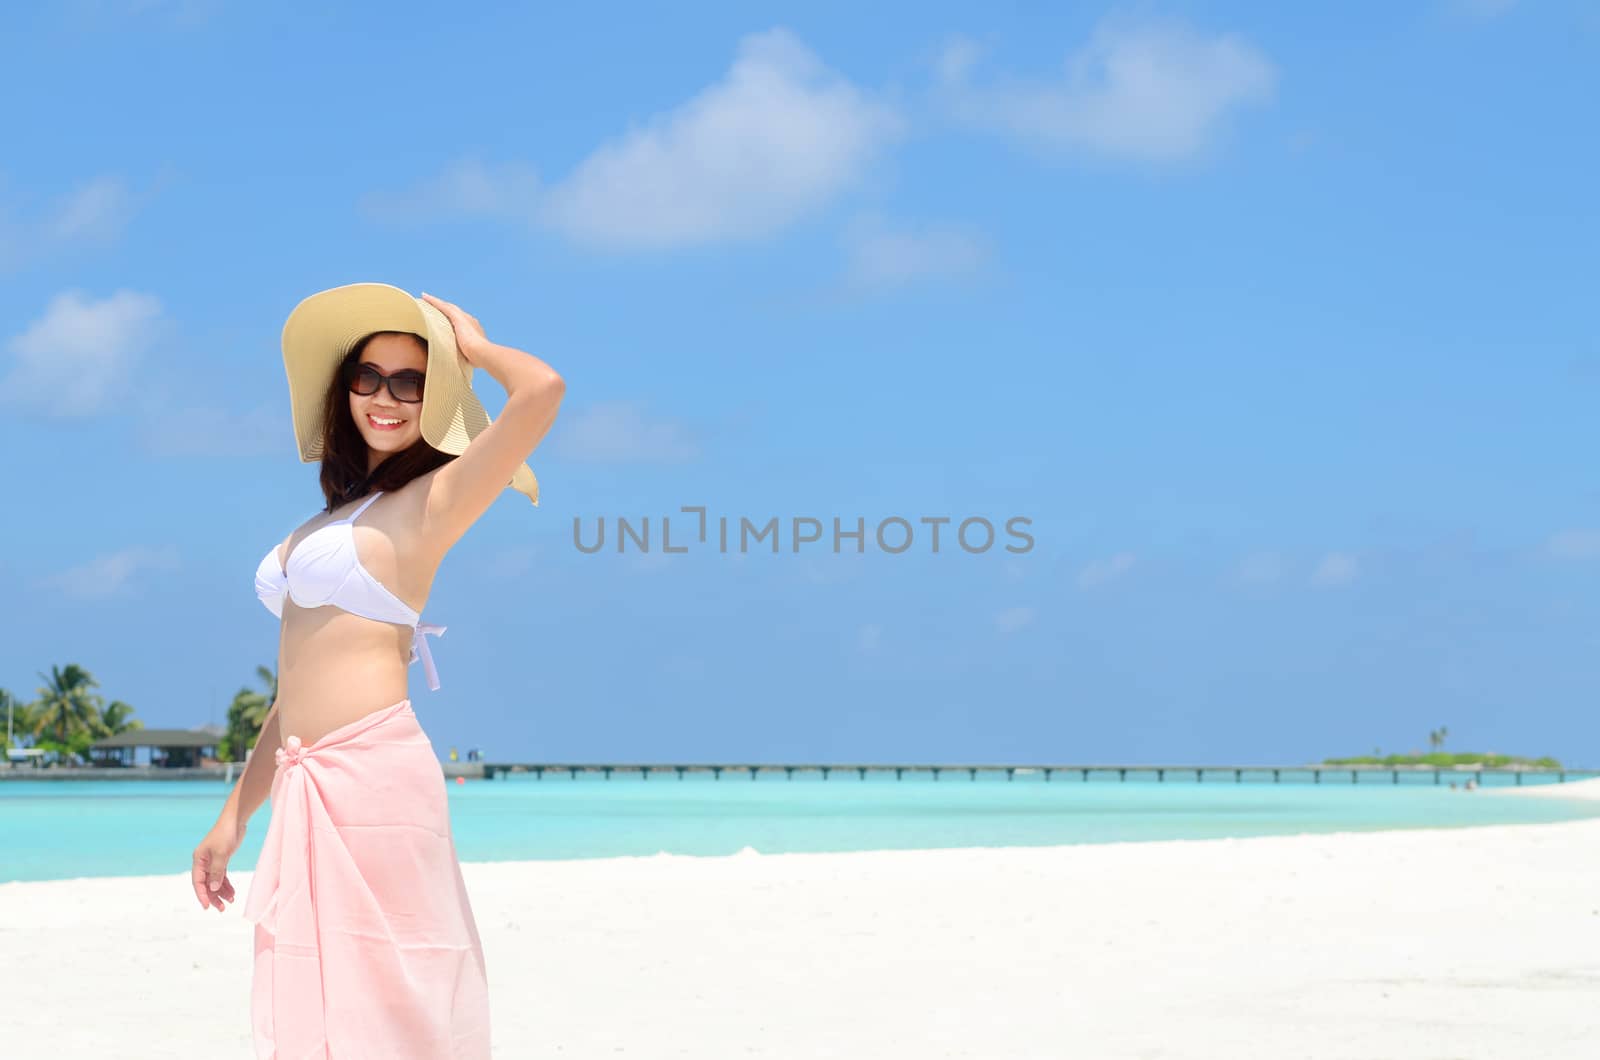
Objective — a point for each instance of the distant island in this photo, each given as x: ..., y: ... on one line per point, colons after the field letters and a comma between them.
x: 1439, y: 758
x: 1447, y: 760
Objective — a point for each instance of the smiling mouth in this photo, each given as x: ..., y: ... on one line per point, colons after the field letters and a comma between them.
x: 378, y: 424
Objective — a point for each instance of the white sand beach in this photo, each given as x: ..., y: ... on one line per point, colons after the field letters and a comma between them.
x: 1575, y: 789
x: 1456, y: 943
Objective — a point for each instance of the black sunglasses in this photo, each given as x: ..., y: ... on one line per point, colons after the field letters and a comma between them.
x: 404, y: 385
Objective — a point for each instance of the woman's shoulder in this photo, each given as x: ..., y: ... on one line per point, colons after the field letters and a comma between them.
x: 411, y: 499
x: 402, y: 513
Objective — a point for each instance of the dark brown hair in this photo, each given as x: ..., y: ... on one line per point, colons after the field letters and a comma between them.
x: 344, y: 451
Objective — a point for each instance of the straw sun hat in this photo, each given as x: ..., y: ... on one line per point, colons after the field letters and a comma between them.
x: 321, y: 331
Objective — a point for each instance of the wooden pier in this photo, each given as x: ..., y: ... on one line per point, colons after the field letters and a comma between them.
x: 1236, y: 773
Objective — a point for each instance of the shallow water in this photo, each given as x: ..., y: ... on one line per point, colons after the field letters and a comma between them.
x: 62, y: 829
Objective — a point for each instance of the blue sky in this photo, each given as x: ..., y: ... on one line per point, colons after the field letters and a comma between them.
x: 1277, y: 323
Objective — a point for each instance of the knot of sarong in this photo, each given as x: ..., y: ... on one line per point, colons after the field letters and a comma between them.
x: 301, y: 833
x: 290, y: 754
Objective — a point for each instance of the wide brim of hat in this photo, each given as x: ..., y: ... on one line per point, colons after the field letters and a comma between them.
x: 323, y: 328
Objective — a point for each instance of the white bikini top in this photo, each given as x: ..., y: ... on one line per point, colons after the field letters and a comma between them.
x: 325, y: 569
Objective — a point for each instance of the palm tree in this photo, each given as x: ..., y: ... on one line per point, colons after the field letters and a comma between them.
x: 118, y: 717
x: 17, y: 723
x: 1433, y: 739
x: 1443, y: 733
x: 66, y: 716
x: 246, y: 714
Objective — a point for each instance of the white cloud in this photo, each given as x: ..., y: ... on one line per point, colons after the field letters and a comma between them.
x: 1101, y: 571
x: 639, y: 562
x: 1336, y: 568
x: 1261, y: 568
x: 1574, y: 544
x: 686, y: 667
x: 1484, y: 8
x: 78, y: 357
x: 109, y: 574
x: 834, y: 568
x: 1153, y: 90
x: 621, y: 432
x: 512, y: 562
x: 94, y: 212
x: 468, y: 187
x: 957, y: 59
x: 97, y: 210
x: 777, y: 138
x: 880, y: 258
x: 1014, y: 618
x: 116, y: 15
x: 167, y: 430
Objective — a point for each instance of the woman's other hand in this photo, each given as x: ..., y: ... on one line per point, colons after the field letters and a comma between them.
x: 210, y: 874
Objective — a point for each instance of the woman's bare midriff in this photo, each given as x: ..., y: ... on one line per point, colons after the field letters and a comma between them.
x: 335, y: 667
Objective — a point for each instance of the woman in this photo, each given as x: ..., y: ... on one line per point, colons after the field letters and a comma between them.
x: 365, y: 942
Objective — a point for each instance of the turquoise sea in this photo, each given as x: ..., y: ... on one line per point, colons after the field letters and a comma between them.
x: 63, y: 829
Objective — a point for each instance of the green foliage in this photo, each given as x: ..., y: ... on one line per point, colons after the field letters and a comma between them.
x: 1439, y: 758
x: 67, y: 716
x: 74, y: 748
x: 246, y: 714
x: 118, y: 717
x: 1446, y: 760
x: 21, y: 718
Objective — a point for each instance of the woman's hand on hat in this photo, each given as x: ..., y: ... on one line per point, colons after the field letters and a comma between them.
x: 469, y: 333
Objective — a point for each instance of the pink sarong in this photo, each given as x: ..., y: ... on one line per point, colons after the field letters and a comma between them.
x: 365, y: 943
